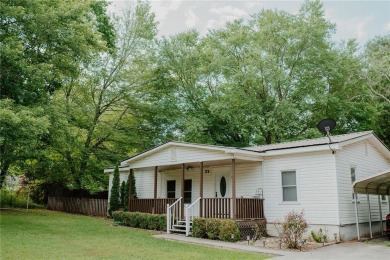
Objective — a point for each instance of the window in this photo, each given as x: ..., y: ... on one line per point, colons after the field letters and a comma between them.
x: 171, y: 189
x: 383, y: 198
x: 353, y: 179
x: 289, y: 186
x: 187, y: 191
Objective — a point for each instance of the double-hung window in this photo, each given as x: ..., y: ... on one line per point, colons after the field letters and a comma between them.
x: 289, y: 186
x: 353, y: 179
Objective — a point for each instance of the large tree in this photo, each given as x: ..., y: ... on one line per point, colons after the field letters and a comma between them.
x: 44, y: 45
x: 93, y: 115
x: 268, y: 79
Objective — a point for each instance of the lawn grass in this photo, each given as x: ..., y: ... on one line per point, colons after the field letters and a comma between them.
x: 41, y: 234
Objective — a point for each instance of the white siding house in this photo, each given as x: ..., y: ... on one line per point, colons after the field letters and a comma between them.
x: 311, y: 175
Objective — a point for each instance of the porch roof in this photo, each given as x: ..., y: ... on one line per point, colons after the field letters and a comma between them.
x: 210, y: 152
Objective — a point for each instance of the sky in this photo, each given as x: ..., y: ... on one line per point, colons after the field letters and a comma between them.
x: 362, y: 20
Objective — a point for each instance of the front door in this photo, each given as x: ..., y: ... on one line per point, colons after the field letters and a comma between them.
x: 222, y: 182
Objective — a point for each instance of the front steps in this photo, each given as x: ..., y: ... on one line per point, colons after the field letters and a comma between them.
x: 180, y: 227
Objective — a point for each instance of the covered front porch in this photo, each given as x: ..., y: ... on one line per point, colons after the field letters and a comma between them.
x: 207, y: 188
x: 189, y: 180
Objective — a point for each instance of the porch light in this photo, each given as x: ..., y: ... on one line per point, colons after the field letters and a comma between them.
x: 300, y: 243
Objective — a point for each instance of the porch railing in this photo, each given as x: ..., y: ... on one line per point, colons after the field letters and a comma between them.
x: 246, y: 208
x: 217, y: 208
x: 190, y: 214
x: 251, y: 208
x: 173, y: 214
x: 158, y: 206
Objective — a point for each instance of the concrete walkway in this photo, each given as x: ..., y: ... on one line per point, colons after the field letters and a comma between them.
x: 221, y: 244
x: 342, y: 251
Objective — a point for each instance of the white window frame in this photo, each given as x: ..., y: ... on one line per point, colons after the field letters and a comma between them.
x: 350, y: 177
x: 296, y: 185
x: 384, y: 200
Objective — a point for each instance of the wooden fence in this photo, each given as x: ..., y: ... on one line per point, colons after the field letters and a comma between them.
x: 150, y: 205
x: 92, y: 207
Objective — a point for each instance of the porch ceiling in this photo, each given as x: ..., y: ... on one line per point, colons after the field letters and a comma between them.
x: 206, y: 164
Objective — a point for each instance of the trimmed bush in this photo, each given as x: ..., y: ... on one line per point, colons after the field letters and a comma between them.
x: 212, y: 228
x: 222, y: 229
x: 199, y: 227
x: 229, y: 231
x: 135, y: 219
x: 141, y: 220
x: 117, y: 216
x: 144, y: 221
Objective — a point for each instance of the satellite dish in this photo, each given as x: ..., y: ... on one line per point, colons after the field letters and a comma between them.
x: 326, y: 125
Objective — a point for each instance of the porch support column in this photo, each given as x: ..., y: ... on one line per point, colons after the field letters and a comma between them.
x: 369, y: 213
x: 155, y: 189
x: 130, y: 188
x: 234, y: 187
x: 357, y: 215
x: 380, y: 212
x: 182, y: 189
x: 201, y: 190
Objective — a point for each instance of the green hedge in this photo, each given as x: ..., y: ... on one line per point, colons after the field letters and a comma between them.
x: 140, y: 220
x: 222, y: 229
x: 12, y: 199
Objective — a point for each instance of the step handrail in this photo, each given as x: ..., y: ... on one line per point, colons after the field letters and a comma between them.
x: 190, y: 217
x: 171, y: 218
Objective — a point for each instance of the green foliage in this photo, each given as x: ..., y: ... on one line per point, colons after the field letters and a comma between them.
x: 17, y: 199
x: 229, y: 231
x: 292, y: 228
x: 320, y: 236
x: 114, y: 194
x: 44, y: 44
x: 199, y: 227
x: 141, y: 220
x: 222, y: 229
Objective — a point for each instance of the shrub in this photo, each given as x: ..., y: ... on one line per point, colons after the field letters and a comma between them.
x: 144, y: 220
x: 292, y: 229
x: 114, y: 195
x: 212, y: 228
x: 117, y: 216
x: 17, y: 199
x: 221, y: 229
x: 229, y: 231
x: 199, y: 227
x: 135, y: 219
x: 153, y: 222
x: 319, y: 236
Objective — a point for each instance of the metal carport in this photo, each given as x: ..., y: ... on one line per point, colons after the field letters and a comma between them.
x: 378, y: 184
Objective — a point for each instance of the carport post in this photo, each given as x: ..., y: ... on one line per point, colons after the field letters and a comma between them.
x: 357, y: 216
x: 369, y: 213
x: 388, y: 199
x: 380, y: 212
